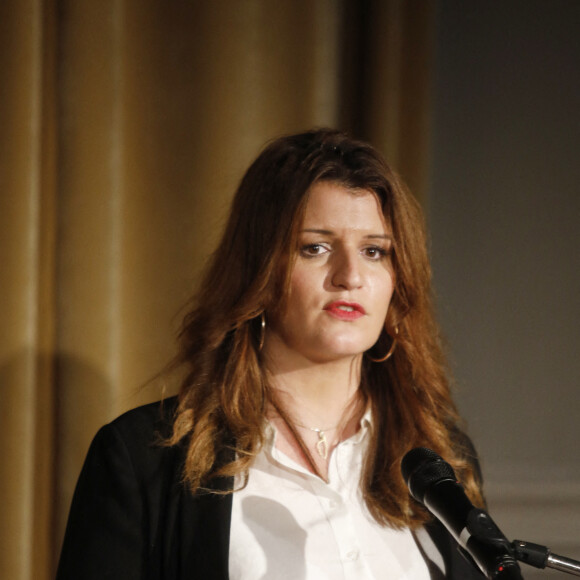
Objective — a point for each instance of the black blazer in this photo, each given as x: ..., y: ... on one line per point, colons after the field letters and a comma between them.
x: 132, y: 519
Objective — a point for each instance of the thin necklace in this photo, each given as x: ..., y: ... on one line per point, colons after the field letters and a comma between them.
x: 322, y: 443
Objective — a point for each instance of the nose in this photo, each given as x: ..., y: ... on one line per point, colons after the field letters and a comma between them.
x: 346, y: 272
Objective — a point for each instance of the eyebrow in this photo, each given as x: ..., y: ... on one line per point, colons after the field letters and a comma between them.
x: 331, y: 233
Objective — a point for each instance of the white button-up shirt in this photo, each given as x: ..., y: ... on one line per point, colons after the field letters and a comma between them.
x: 289, y: 524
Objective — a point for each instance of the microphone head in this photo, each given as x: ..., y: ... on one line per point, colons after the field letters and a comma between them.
x: 421, y: 468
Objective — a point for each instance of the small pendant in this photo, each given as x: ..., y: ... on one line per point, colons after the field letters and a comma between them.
x: 322, y: 445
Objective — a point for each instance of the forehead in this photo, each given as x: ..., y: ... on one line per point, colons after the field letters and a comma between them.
x: 335, y: 207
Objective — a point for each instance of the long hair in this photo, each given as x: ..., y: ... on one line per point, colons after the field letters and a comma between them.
x: 224, y: 392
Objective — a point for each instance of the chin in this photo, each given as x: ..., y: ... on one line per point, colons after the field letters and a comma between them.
x: 351, y: 344
x: 345, y: 350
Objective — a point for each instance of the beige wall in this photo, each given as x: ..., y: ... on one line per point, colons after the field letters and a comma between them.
x: 126, y: 125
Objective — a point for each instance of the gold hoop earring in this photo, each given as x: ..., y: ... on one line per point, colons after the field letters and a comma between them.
x: 262, y: 331
x: 390, y: 352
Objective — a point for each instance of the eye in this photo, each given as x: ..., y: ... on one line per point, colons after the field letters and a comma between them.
x: 375, y: 252
x: 313, y: 250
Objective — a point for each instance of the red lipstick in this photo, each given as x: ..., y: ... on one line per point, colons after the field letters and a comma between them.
x: 344, y: 310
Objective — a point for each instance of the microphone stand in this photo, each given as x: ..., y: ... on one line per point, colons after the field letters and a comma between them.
x: 542, y: 557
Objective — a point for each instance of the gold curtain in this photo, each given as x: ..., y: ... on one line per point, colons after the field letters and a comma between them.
x: 126, y: 125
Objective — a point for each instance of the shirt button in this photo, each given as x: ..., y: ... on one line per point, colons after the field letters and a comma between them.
x: 352, y: 555
x: 332, y: 504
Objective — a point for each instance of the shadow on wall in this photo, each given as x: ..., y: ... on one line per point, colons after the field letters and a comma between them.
x: 45, y: 437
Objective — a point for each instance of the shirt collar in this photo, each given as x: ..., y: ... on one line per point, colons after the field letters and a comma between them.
x: 365, y: 425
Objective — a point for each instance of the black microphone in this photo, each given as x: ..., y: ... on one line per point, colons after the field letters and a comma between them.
x: 432, y: 483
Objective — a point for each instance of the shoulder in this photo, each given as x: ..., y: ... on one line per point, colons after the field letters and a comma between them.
x: 145, y: 420
x: 136, y: 438
x: 122, y: 496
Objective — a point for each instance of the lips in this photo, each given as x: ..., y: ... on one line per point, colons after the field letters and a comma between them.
x: 345, y: 310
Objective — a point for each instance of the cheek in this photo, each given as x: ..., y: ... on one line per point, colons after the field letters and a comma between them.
x: 303, y: 287
x: 385, y: 293
x: 385, y: 284
x: 390, y: 288
x: 295, y: 305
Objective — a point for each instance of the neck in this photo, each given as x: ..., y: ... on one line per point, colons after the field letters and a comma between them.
x: 321, y: 395
x: 317, y: 394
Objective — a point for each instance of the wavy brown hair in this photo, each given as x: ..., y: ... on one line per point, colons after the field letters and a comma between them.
x: 224, y: 392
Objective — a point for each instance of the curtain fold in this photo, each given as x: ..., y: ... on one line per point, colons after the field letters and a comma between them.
x: 27, y: 251
x: 126, y: 127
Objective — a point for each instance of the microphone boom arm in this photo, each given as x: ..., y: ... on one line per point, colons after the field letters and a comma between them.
x: 542, y: 557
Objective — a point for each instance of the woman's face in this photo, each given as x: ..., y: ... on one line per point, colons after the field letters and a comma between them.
x: 342, y: 280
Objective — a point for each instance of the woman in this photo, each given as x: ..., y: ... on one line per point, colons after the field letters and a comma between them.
x: 311, y: 366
